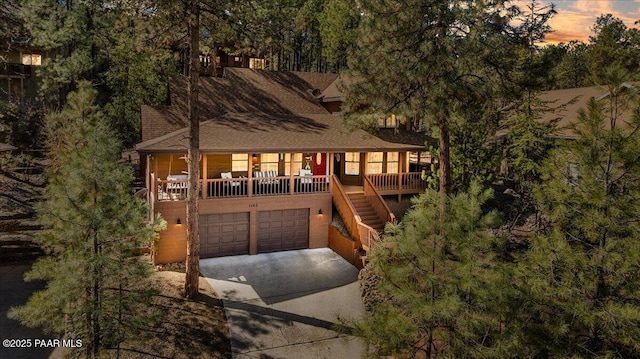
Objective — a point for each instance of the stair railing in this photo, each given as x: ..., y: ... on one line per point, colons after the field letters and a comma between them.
x: 364, y: 234
x: 377, y: 202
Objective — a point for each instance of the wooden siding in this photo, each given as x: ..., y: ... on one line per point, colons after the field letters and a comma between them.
x: 344, y: 246
x: 168, y: 164
x: 172, y: 244
x: 171, y: 247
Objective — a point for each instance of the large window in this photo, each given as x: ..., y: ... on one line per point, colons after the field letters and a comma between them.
x: 239, y: 162
x: 383, y: 162
x: 31, y: 59
x: 269, y: 162
x: 352, y: 163
x: 297, y: 163
x: 393, y: 162
x: 374, y: 164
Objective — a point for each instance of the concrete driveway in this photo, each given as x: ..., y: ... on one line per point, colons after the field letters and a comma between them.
x: 284, y: 304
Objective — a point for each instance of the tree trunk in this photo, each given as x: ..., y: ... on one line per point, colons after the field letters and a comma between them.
x: 191, y: 283
x: 444, y: 162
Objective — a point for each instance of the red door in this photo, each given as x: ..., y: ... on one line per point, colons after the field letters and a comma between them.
x: 319, y: 167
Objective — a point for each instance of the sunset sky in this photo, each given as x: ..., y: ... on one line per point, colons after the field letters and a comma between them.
x: 576, y: 17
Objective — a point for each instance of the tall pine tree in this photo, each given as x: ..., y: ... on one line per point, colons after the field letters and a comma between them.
x: 443, y: 293
x: 431, y: 60
x: 93, y: 227
x: 581, y: 281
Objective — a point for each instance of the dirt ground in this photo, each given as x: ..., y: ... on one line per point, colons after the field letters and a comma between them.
x: 21, y: 182
x: 189, y: 329
x: 399, y: 208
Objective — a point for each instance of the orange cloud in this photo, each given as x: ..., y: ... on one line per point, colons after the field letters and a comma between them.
x: 576, y: 17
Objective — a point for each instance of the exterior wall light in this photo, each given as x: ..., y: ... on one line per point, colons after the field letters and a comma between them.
x: 320, y: 211
x: 178, y: 221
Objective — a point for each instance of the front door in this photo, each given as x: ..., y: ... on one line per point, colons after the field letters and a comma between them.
x: 319, y: 164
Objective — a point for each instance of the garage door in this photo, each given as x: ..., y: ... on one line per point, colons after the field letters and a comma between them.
x: 283, y: 230
x: 224, y: 234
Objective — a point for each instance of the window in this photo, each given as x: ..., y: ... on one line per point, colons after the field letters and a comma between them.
x: 425, y: 158
x: 393, y: 161
x: 239, y: 162
x: 31, y: 59
x: 255, y: 63
x: 352, y: 163
x: 573, y: 174
x: 297, y: 163
x: 389, y: 122
x: 374, y: 164
x: 269, y: 162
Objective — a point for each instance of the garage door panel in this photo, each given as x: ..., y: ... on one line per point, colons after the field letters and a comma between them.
x: 224, y: 234
x: 283, y: 230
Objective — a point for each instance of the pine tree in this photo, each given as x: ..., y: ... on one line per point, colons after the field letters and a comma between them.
x: 338, y: 29
x: 443, y: 294
x: 192, y: 281
x: 431, y: 60
x: 139, y: 63
x: 93, y: 228
x: 581, y: 281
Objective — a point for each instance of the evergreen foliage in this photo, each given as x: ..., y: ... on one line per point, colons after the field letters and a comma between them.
x: 93, y: 228
x: 581, y: 282
x: 528, y: 140
x: 571, y: 70
x: 338, y: 28
x: 71, y: 31
x: 412, y: 59
x: 613, y: 45
x: 528, y: 143
x: 139, y: 65
x: 444, y: 294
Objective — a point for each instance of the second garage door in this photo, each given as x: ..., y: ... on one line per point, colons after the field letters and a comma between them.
x: 224, y: 234
x: 283, y: 230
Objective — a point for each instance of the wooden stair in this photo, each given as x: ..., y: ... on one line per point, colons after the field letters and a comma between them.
x: 366, y: 212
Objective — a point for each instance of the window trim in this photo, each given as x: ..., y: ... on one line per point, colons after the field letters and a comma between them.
x: 356, y: 161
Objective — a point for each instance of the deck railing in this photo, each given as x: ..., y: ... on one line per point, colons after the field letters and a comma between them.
x: 176, y: 190
x: 226, y: 187
x: 406, y: 182
x: 172, y: 190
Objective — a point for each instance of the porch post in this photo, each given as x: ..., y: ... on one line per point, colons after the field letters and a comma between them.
x: 331, y: 166
x: 151, y: 191
x: 157, y: 176
x: 205, y: 185
x: 250, y: 176
x: 401, y: 163
x: 291, y: 178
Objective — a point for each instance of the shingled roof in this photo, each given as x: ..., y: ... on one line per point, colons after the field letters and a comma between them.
x: 562, y: 108
x: 566, y: 104
x: 264, y: 133
x: 239, y: 91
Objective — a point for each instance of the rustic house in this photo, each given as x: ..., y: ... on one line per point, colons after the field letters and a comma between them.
x: 274, y: 163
